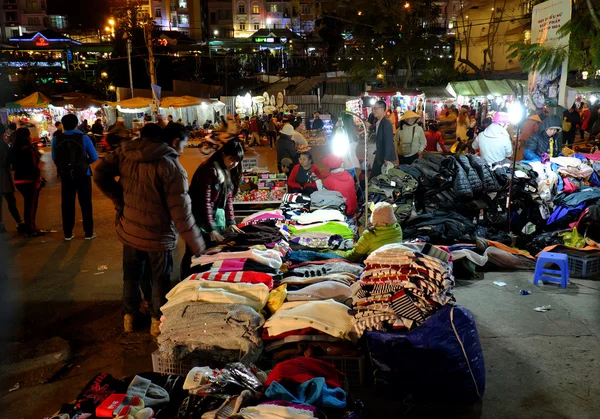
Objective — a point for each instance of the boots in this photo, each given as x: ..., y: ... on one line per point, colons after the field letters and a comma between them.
x: 128, y: 323
x: 155, y: 328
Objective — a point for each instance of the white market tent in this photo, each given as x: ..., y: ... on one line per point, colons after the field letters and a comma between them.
x: 189, y: 108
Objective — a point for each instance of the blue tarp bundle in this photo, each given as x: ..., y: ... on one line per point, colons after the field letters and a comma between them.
x: 429, y: 362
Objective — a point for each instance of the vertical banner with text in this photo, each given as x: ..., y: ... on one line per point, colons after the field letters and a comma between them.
x: 549, y: 89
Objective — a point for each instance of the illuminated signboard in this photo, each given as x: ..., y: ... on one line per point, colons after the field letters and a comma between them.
x: 266, y: 40
x: 40, y: 41
x: 30, y: 64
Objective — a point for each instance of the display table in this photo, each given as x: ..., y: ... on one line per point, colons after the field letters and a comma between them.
x: 245, y: 208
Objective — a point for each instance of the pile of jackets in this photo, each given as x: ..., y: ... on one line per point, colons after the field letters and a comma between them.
x: 396, y: 187
x: 401, y: 286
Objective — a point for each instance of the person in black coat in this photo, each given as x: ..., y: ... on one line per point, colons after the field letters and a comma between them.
x: 286, y: 147
x: 570, y: 116
x: 385, y: 152
x: 546, y: 140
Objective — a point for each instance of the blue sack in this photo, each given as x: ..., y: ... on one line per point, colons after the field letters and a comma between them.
x: 429, y: 362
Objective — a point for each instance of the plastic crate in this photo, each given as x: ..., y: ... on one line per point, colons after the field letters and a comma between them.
x: 353, y: 367
x: 180, y: 367
x: 584, y: 265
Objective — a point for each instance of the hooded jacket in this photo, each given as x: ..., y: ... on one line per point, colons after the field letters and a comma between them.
x: 341, y: 181
x: 494, y: 143
x: 371, y: 240
x: 539, y: 143
x: 151, y: 196
x: 286, y: 148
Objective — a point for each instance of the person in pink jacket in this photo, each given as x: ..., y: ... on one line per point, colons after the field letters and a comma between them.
x: 341, y: 181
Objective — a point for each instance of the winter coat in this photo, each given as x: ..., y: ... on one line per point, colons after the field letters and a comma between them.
x: 495, y: 144
x: 151, y: 196
x: 540, y: 143
x: 490, y: 184
x: 585, y: 119
x: 286, y: 148
x: 6, y: 182
x: 434, y: 140
x: 293, y: 182
x: 371, y: 240
x: 461, y: 185
x: 209, y: 191
x: 341, y: 181
x: 25, y: 162
x: 474, y: 180
x: 384, y: 143
x: 410, y: 140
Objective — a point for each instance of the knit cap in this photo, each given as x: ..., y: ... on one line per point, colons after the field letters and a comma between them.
x: 383, y: 214
x: 150, y: 393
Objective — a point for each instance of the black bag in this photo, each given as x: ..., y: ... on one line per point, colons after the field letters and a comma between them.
x: 70, y: 156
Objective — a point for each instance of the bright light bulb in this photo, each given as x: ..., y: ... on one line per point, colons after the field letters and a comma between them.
x: 340, y: 142
x: 516, y: 113
x: 593, y: 99
x: 111, y: 22
x: 490, y: 97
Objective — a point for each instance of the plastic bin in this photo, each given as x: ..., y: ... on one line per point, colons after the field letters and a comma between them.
x: 584, y: 265
x: 179, y: 366
x: 353, y: 367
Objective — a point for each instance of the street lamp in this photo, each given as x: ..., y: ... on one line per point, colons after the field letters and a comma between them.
x: 215, y: 32
x: 111, y: 22
x: 111, y: 88
x: 341, y: 146
x: 104, y: 74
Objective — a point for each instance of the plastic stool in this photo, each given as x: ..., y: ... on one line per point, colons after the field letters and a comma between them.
x: 560, y: 259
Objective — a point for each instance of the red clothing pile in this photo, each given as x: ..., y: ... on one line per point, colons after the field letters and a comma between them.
x: 343, y: 182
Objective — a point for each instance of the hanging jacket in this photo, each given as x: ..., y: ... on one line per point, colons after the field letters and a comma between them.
x: 342, y: 182
x: 474, y: 180
x: 490, y: 184
x: 461, y: 185
x: 540, y: 143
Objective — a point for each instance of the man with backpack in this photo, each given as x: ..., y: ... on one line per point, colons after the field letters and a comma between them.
x: 73, y: 152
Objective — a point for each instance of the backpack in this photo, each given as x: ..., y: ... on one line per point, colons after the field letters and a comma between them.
x: 70, y: 156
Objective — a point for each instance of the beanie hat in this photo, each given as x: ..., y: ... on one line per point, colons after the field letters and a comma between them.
x: 152, y: 394
x: 332, y: 161
x: 383, y: 214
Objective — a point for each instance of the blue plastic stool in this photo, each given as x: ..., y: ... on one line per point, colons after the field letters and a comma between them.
x: 560, y: 259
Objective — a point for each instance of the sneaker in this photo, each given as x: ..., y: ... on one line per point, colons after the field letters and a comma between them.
x: 128, y: 323
x: 93, y: 236
x: 155, y: 328
x: 68, y: 239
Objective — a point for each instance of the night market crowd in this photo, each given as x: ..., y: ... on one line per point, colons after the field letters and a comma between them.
x: 267, y: 305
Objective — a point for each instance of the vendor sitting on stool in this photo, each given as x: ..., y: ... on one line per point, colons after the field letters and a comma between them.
x: 545, y: 141
x: 341, y: 181
x: 384, y: 229
x: 303, y: 177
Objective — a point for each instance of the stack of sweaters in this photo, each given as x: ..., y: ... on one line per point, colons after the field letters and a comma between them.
x: 215, y: 314
x: 310, y: 316
x: 322, y: 229
x: 401, y: 286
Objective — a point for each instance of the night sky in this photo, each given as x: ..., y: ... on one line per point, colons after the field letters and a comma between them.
x: 81, y: 13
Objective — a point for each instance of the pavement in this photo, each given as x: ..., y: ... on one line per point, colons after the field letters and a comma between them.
x: 60, y: 311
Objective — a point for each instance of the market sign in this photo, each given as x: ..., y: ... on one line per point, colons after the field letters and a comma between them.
x: 546, y: 20
x: 266, y: 40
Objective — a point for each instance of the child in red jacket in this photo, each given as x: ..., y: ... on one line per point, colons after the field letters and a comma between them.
x: 341, y: 181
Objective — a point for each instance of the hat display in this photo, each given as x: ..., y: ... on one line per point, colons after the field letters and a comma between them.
x: 332, y: 161
x: 409, y: 114
x: 287, y: 129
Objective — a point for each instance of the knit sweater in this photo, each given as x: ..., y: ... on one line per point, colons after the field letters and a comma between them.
x: 372, y: 240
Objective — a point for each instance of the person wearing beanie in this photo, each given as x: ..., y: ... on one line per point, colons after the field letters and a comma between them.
x: 545, y: 141
x: 286, y: 166
x: 341, y: 181
x: 384, y: 229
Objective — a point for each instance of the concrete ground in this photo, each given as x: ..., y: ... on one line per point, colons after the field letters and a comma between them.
x: 539, y: 365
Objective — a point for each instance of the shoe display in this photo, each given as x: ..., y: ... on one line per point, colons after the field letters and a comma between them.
x: 128, y: 323
x: 155, y: 328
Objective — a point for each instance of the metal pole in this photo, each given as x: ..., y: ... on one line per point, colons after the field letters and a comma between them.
x: 129, y: 48
x: 514, y: 163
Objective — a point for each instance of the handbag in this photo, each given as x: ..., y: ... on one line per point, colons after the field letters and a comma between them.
x: 566, y: 126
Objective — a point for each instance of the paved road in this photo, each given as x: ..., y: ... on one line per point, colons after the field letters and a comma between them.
x: 539, y: 365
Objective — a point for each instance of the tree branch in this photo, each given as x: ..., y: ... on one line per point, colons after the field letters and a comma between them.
x: 595, y: 19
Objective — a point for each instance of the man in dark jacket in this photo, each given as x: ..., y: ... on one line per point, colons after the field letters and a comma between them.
x: 545, y: 141
x: 385, y: 152
x: 286, y: 147
x: 152, y: 203
x: 73, y: 152
x: 7, y: 186
x: 572, y: 119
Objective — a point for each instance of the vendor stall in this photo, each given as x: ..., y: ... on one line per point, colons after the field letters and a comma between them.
x: 399, y: 99
x: 31, y: 112
x: 188, y: 109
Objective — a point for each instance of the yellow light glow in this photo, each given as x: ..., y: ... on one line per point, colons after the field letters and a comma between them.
x: 111, y: 22
x: 406, y: 5
x: 107, y: 29
x: 379, y: 76
x: 359, y: 13
x: 104, y: 74
x: 111, y: 87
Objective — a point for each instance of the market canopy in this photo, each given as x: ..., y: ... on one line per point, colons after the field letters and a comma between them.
x: 182, y: 101
x: 79, y: 103
x: 135, y: 103
x: 394, y: 91
x: 476, y: 88
x: 35, y: 100
x: 435, y: 92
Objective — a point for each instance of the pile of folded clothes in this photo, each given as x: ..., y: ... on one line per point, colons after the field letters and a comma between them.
x: 401, y: 286
x: 215, y: 313
x: 324, y: 229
